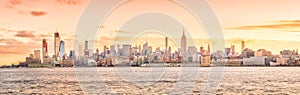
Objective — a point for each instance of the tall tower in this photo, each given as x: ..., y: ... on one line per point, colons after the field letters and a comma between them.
x: 243, y: 46
x: 166, y: 40
x: 208, y: 49
x: 145, y: 49
x: 169, y: 51
x: 104, y: 50
x: 72, y: 55
x: 86, y: 49
x: 86, y: 45
x: 44, y: 48
x: 61, y: 49
x: 56, y: 44
x: 232, y: 49
x: 202, y: 50
x: 183, y: 42
x: 97, y: 51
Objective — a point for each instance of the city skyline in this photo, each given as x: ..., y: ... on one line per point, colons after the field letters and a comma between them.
x: 269, y: 26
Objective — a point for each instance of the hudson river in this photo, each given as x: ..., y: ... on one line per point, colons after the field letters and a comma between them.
x: 147, y: 80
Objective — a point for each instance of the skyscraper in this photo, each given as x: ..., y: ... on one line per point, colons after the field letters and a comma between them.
x: 72, y: 55
x: 61, y: 49
x: 86, y: 45
x: 232, y: 49
x: 227, y: 51
x: 243, y: 46
x: 145, y: 49
x: 113, y: 50
x: 56, y: 44
x: 37, y: 54
x: 96, y: 55
x: 44, y: 48
x: 183, y: 43
x: 169, y: 51
x: 86, y: 49
x: 201, y: 50
x: 208, y: 50
x: 126, y: 50
x: 166, y: 40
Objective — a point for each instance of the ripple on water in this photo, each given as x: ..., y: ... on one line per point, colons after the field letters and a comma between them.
x: 235, y: 80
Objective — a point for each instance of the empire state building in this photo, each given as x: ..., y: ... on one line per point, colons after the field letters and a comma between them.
x: 183, y: 43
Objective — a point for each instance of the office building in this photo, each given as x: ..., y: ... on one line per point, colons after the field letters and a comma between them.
x: 145, y: 49
x: 254, y: 61
x: 208, y: 50
x: 72, y: 55
x: 56, y: 45
x: 113, y: 50
x: 62, y: 50
x: 227, y: 51
x: 44, y: 48
x: 37, y: 54
x: 126, y: 50
x: 263, y: 52
x: 243, y: 45
x: 232, y: 49
x: 86, y: 49
x: 183, y: 42
x: 166, y: 43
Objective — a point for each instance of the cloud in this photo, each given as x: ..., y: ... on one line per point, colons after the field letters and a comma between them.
x: 284, y: 25
x: 12, y: 46
x: 13, y: 3
x: 10, y: 41
x: 32, y: 13
x: 106, y: 38
x: 44, y: 35
x: 2, y: 29
x: 28, y: 34
x: 121, y: 31
x: 38, y: 13
x: 70, y: 2
x: 239, y: 40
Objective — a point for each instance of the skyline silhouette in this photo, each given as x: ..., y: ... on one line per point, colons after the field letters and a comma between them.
x: 26, y: 23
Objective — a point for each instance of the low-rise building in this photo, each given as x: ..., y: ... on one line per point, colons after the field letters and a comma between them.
x: 205, y: 61
x: 263, y: 52
x: 254, y: 61
x: 282, y: 61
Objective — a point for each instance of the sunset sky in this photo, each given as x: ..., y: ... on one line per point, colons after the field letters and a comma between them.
x: 270, y: 24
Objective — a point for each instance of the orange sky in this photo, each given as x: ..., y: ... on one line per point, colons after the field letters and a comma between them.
x: 273, y: 25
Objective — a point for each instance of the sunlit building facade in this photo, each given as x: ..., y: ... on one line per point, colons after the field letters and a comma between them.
x: 56, y: 44
x: 62, y: 50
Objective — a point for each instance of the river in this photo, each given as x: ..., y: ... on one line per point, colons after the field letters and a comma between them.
x: 147, y: 80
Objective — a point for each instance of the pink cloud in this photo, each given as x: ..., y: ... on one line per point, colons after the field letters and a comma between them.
x: 38, y: 13
x: 285, y: 25
x: 28, y: 34
x: 70, y: 2
x: 12, y: 46
x: 13, y: 3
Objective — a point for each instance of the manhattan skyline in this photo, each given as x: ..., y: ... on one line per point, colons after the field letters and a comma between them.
x: 23, y: 25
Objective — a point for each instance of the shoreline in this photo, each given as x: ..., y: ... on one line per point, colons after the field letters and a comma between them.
x: 144, y: 66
